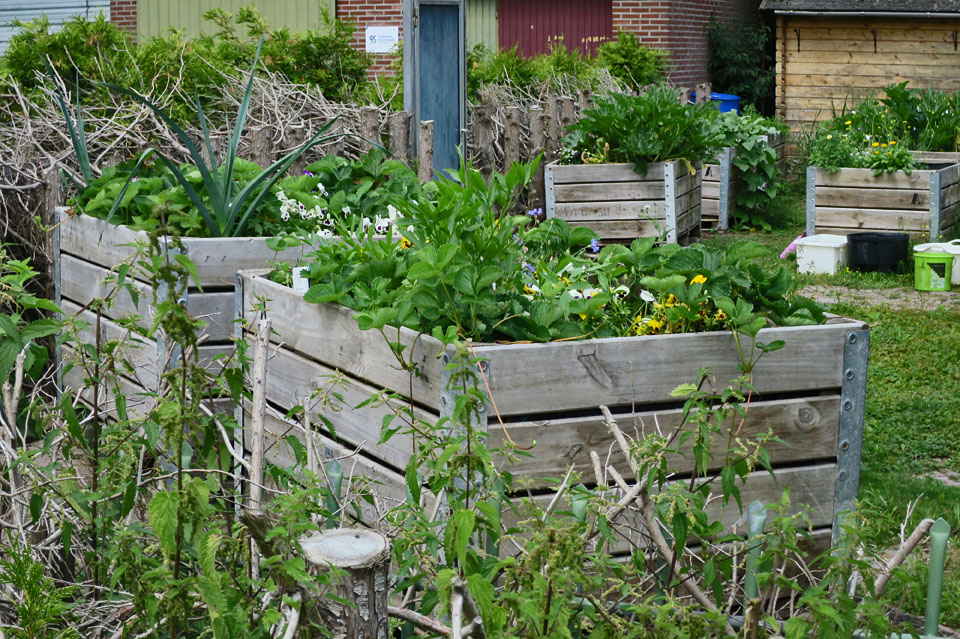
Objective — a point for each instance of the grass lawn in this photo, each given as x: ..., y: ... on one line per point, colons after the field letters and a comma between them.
x: 912, y: 424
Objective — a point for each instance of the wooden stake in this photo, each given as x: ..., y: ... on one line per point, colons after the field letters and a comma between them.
x: 369, y: 128
x: 398, y: 128
x: 511, y: 138
x: 255, y: 493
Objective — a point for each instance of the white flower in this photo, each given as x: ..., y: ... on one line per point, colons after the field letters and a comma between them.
x: 364, y: 223
x: 347, y: 211
x: 590, y: 292
x: 381, y: 224
x: 647, y: 296
x: 575, y: 294
x: 393, y: 213
x: 621, y: 292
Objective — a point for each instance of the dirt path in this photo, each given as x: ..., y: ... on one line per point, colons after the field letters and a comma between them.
x: 899, y: 298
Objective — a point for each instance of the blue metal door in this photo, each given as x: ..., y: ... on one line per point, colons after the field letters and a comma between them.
x: 440, y: 79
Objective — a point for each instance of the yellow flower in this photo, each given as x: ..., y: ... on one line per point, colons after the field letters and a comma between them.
x: 883, y: 146
x: 720, y: 316
x: 892, y: 142
x: 563, y: 279
x: 530, y: 290
x: 671, y: 301
x: 829, y: 137
x: 405, y: 243
x: 638, y: 326
x: 699, y: 279
x: 848, y: 122
x: 583, y: 316
x: 876, y: 144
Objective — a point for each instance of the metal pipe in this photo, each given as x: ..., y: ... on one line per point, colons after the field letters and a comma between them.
x: 939, y: 536
x: 865, y: 14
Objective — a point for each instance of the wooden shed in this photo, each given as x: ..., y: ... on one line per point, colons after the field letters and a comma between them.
x: 831, y: 53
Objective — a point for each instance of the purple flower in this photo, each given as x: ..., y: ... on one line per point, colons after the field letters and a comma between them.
x: 308, y: 173
x: 594, y: 245
x: 537, y: 212
x: 136, y: 178
x: 529, y: 267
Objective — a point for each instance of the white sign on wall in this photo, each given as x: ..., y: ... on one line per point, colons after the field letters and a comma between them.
x: 382, y: 39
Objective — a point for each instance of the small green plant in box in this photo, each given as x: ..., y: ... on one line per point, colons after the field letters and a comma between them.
x: 640, y: 129
x: 756, y: 161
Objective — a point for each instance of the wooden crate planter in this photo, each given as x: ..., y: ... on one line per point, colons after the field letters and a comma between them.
x: 924, y: 204
x: 610, y: 199
x: 87, y: 249
x: 812, y: 396
x: 722, y: 183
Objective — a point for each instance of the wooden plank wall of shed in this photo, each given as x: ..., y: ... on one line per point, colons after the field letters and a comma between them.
x: 824, y: 63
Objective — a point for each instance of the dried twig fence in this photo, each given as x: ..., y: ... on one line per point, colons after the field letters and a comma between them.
x: 505, y: 127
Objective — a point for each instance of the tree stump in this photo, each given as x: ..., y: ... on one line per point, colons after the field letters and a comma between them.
x: 364, y: 556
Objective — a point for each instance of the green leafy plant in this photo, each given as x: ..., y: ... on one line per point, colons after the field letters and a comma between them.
x: 756, y: 161
x: 227, y: 210
x: 650, y: 127
x: 632, y: 63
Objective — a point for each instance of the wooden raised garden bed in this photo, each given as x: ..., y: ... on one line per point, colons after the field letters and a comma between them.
x: 88, y: 251
x: 722, y: 182
x: 924, y: 204
x: 611, y: 199
x: 811, y: 397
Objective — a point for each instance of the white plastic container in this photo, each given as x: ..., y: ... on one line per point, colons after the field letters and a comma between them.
x: 822, y: 253
x: 952, y: 247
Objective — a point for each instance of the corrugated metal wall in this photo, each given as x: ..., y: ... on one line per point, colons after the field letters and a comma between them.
x: 482, y: 23
x: 154, y: 17
x: 535, y: 24
x: 58, y: 11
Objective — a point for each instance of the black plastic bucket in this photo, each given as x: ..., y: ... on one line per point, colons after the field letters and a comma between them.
x: 876, y: 251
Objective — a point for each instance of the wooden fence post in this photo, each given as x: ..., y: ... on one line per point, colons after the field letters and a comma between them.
x: 398, y: 128
x: 261, y: 146
x: 704, y: 90
x: 364, y: 556
x: 684, y: 95
x: 567, y: 114
x: 485, y: 135
x: 537, y: 145
x: 586, y: 100
x: 369, y: 128
x: 511, y: 138
x: 552, y: 128
x: 425, y: 151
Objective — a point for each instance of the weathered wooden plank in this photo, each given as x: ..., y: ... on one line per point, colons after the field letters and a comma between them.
x: 864, y: 178
x: 293, y: 379
x: 854, y: 82
x: 82, y: 282
x: 869, y: 198
x: 709, y: 209
x: 811, y: 486
x: 573, y: 173
x: 586, y: 211
x: 710, y: 190
x: 328, y: 333
x: 878, y: 69
x: 623, y: 229
x: 138, y: 403
x: 806, y: 426
x: 97, y: 241
x: 218, y: 259
x: 687, y: 181
x: 939, y: 47
x: 359, y: 471
x: 544, y: 378
x: 710, y: 173
x: 888, y: 219
x: 606, y: 191
x: 904, y: 30
x: 139, y: 351
x: 858, y: 58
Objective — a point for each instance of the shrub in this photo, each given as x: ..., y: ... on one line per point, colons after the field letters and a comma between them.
x: 740, y: 63
x: 632, y: 63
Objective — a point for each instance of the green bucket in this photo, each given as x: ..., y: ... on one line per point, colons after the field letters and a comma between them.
x: 932, y: 271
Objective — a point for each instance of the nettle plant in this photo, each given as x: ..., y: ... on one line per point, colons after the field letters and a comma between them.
x: 456, y: 259
x: 650, y: 127
x: 468, y: 546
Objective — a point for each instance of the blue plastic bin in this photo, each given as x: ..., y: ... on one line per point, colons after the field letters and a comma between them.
x: 725, y: 101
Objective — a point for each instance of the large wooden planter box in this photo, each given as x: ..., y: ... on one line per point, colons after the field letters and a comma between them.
x: 88, y: 249
x: 610, y: 199
x: 811, y: 397
x: 722, y: 182
x: 923, y: 204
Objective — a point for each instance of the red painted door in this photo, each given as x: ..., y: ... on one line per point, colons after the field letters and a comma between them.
x: 534, y: 24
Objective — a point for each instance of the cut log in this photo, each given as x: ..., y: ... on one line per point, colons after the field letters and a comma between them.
x: 364, y: 559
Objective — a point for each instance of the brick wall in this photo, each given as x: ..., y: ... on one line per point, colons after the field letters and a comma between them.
x: 123, y: 13
x: 364, y: 13
x: 680, y: 26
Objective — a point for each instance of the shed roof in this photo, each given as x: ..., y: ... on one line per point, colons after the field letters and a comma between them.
x: 864, y: 6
